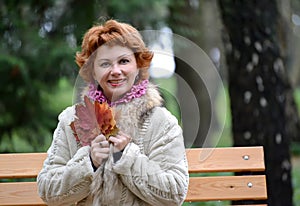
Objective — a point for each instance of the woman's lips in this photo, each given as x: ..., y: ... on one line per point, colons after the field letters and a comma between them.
x: 117, y: 82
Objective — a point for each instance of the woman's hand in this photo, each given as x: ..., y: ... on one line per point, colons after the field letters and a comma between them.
x: 99, y: 150
x: 120, y: 141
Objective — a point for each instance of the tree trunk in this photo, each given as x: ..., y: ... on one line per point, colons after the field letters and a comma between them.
x: 259, y: 89
x: 185, y: 18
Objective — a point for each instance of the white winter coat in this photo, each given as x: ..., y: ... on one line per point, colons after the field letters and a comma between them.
x: 151, y: 171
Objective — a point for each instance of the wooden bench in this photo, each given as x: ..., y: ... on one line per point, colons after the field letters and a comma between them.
x: 223, y: 186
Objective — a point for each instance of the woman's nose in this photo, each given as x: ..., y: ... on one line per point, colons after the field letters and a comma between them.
x: 115, y: 70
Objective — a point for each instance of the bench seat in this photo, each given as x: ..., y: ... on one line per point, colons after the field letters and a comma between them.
x: 212, y: 175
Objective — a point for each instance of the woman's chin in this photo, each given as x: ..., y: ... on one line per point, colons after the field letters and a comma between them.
x: 117, y: 94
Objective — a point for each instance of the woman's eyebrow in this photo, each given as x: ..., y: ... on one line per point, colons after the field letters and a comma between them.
x: 125, y: 55
x: 103, y: 59
x: 119, y: 57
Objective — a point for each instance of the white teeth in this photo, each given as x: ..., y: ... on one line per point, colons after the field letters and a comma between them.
x: 115, y: 81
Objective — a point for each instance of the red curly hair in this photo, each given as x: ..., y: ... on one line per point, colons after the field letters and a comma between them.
x: 113, y: 33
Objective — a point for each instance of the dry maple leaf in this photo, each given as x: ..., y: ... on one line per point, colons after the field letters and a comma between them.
x: 91, y: 120
x: 105, y: 119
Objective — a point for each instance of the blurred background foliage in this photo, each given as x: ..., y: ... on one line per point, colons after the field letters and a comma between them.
x: 38, y: 41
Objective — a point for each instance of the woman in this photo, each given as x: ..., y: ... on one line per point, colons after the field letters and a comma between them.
x: 144, y: 163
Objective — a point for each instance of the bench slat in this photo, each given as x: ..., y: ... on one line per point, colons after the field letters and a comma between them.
x: 225, y: 159
x: 200, y: 160
x: 21, y: 165
x: 200, y: 189
x: 19, y: 193
x: 227, y: 188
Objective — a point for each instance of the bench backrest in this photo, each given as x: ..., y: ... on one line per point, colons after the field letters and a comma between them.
x: 225, y: 185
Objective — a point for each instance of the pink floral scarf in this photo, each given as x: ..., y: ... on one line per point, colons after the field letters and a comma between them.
x: 136, y: 91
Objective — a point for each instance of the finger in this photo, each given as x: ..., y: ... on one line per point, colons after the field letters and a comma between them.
x: 101, y: 156
x: 122, y: 133
x: 120, y: 140
x: 99, y: 138
x: 103, y: 144
x: 104, y: 150
x: 115, y: 141
x: 98, y: 157
x: 128, y: 138
x: 97, y: 151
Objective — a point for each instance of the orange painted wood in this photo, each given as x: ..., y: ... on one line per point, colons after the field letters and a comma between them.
x: 227, y: 188
x: 19, y: 193
x: 200, y: 160
x: 21, y: 165
x: 231, y: 159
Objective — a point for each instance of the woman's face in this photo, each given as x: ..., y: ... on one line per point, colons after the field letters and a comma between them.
x: 115, y: 69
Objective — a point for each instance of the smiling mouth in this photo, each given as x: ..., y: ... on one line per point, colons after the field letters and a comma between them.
x: 116, y: 83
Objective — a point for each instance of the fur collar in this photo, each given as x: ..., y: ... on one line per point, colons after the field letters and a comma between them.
x: 129, y: 116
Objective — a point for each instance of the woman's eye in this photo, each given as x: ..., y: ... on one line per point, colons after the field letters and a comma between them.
x: 124, y: 61
x: 105, y: 65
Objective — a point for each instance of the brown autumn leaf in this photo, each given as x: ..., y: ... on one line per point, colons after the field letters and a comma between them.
x: 105, y: 119
x: 93, y: 118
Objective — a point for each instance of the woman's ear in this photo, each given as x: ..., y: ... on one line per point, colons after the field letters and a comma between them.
x: 92, y: 73
x: 143, y: 74
x: 137, y: 77
x: 90, y: 67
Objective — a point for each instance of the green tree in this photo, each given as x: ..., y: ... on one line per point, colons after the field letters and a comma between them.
x: 141, y: 14
x: 38, y: 43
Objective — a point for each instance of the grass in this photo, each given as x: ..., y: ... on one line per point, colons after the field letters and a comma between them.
x: 296, y: 179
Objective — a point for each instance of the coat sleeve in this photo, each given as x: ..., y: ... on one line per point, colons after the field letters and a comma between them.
x: 67, y: 172
x: 159, y: 177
